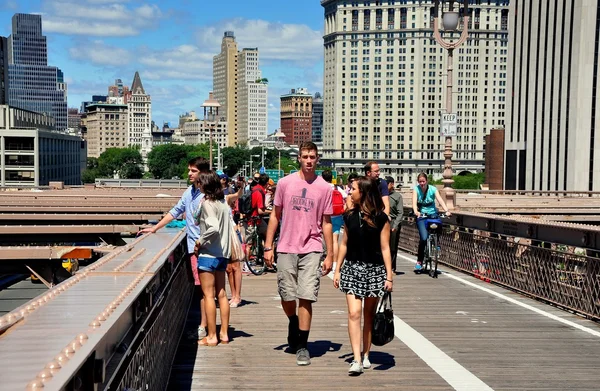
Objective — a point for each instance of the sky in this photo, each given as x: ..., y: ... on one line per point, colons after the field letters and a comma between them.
x: 172, y: 43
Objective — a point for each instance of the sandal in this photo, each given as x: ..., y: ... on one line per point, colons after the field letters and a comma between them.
x: 224, y: 341
x: 204, y: 342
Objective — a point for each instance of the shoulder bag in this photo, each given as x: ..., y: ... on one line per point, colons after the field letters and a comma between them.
x: 383, y: 324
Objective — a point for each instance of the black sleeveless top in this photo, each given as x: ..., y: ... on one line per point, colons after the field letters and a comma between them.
x: 364, y: 241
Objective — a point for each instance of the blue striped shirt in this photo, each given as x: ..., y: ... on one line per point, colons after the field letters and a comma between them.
x: 188, y: 204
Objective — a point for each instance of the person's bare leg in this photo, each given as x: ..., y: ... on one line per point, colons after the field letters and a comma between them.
x: 354, y: 315
x: 369, y: 315
x: 237, y: 278
x: 207, y: 280
x: 230, y: 278
x: 223, y: 305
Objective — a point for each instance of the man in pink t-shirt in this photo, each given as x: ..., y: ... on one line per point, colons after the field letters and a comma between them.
x: 303, y: 205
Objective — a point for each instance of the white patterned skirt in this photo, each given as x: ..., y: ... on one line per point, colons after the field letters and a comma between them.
x: 362, y: 279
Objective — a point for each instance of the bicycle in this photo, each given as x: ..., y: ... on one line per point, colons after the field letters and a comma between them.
x: 256, y: 259
x: 432, y: 248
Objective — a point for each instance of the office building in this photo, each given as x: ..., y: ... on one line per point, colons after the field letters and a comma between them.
x: 384, y: 86
x: 252, y: 98
x: 74, y: 120
x: 241, y: 91
x: 317, y: 118
x: 32, y: 154
x: 139, y: 106
x: 553, y: 132
x: 106, y: 127
x: 33, y: 85
x: 296, y: 116
x: 197, y: 132
x: 3, y: 71
x: 225, y: 83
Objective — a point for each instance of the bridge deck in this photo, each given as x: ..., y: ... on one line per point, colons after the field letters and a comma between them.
x: 451, y: 335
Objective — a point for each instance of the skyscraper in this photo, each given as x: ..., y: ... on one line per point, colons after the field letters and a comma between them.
x: 384, y: 86
x: 251, y: 98
x: 139, y: 106
x: 3, y: 71
x: 552, y: 136
x: 317, y: 118
x: 225, y: 83
x: 33, y: 85
x: 296, y: 116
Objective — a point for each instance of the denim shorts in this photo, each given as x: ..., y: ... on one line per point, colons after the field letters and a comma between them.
x: 212, y: 264
x: 337, y: 222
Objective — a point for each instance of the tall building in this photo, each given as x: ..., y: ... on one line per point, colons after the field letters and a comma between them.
x: 225, y: 83
x: 384, y: 86
x: 296, y: 116
x: 33, y: 85
x: 3, y: 70
x: 252, y: 110
x: 553, y: 135
x: 139, y: 107
x: 74, y: 120
x: 106, y: 127
x: 317, y: 118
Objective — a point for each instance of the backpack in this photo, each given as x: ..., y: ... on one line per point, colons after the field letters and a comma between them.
x: 245, y: 202
x: 337, y: 202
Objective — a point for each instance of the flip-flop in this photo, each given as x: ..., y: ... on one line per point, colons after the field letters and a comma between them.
x: 204, y: 342
x: 222, y: 342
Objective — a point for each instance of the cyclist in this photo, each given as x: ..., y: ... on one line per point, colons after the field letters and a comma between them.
x: 423, y: 202
x: 258, y: 210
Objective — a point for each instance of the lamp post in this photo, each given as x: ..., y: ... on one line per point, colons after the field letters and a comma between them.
x: 211, y: 115
x: 279, y: 144
x: 450, y: 19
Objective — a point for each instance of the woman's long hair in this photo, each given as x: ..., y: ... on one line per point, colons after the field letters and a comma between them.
x: 210, y: 185
x: 371, y: 203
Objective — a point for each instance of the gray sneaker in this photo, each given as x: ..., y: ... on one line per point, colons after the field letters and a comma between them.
x: 302, y: 357
x: 355, y: 368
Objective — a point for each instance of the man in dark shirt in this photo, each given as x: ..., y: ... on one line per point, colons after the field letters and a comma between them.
x: 396, y: 214
x: 372, y: 171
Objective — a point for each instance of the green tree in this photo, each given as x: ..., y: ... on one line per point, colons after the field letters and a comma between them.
x: 234, y: 158
x: 165, y: 161
x: 92, y: 162
x: 89, y: 175
x: 126, y: 162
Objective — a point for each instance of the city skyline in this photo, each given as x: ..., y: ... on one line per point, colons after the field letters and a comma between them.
x: 171, y: 45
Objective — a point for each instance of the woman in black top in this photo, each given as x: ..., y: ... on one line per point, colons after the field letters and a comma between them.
x: 366, y: 271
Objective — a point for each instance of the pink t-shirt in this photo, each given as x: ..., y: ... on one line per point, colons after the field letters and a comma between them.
x: 303, y: 206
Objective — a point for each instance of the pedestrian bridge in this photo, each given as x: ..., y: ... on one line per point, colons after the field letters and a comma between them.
x: 514, y: 309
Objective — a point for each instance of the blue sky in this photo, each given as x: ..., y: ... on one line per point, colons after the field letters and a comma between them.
x: 172, y: 43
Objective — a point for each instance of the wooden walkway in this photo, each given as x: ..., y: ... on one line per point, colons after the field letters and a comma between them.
x: 452, y: 336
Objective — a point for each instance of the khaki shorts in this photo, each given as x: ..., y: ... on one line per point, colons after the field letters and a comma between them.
x: 299, y: 276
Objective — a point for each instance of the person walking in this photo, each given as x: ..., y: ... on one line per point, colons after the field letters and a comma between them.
x: 303, y: 205
x: 188, y: 205
x: 363, y: 266
x: 338, y: 202
x: 396, y: 215
x: 213, y: 249
x: 373, y: 171
x: 423, y: 202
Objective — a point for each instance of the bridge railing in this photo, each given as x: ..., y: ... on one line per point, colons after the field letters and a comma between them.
x: 554, y: 262
x: 145, y: 183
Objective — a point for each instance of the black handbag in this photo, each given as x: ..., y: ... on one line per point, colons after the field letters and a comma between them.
x: 383, y: 324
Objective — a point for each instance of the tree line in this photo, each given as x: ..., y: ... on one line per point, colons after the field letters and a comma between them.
x: 169, y: 161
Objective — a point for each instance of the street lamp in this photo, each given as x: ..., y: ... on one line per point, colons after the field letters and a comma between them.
x: 450, y: 20
x: 211, y: 115
x: 251, y: 161
x: 279, y: 144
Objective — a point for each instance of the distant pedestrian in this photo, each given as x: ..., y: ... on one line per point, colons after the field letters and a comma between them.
x: 303, y: 205
x: 372, y: 171
x: 213, y: 249
x: 338, y: 203
x: 363, y: 266
x: 188, y: 205
x: 396, y: 215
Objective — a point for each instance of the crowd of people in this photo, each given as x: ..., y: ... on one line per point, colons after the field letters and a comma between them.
x: 321, y: 225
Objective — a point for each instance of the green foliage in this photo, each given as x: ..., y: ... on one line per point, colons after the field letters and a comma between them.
x: 171, y: 160
x: 92, y: 162
x: 234, y: 159
x: 463, y: 182
x: 89, y: 175
x: 126, y: 162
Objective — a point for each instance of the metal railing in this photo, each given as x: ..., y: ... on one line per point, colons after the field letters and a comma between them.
x: 555, y: 272
x: 149, y: 183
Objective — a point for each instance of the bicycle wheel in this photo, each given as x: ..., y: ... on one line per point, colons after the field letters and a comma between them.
x: 255, y: 262
x: 434, y: 256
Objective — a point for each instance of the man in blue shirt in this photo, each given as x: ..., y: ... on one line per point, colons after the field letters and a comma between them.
x: 188, y: 205
x: 372, y: 171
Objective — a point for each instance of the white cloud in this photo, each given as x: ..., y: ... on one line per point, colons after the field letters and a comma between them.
x: 99, y: 53
x: 185, y: 62
x: 275, y: 41
x: 108, y: 18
